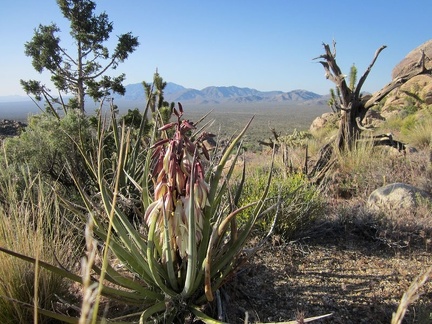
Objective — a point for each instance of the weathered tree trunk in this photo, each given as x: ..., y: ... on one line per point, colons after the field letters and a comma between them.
x: 347, y: 133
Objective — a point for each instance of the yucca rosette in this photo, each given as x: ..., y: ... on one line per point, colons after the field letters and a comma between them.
x: 177, y: 165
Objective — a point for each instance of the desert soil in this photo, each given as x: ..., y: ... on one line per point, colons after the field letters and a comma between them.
x: 344, y: 272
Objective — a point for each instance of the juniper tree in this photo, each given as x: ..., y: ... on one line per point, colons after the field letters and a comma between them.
x: 82, y: 70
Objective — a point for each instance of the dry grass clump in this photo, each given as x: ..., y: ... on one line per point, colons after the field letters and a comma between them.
x: 30, y: 225
x: 420, y: 136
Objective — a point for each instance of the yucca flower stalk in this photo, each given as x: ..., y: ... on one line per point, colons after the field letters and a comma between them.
x: 177, y: 168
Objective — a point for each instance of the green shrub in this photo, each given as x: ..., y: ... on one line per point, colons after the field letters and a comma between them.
x: 410, y: 109
x: 48, y: 146
x: 408, y: 124
x: 132, y: 118
x: 420, y: 135
x: 300, y: 203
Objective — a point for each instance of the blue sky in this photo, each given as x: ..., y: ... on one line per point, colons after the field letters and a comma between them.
x: 265, y: 45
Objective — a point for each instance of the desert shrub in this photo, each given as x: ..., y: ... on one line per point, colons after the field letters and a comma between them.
x: 408, y: 124
x: 300, y: 202
x: 410, y: 109
x: 392, y: 124
x: 134, y: 118
x: 48, y: 145
x: 420, y: 135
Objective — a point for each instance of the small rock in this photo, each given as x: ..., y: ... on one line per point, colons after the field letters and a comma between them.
x: 396, y: 196
x: 321, y: 121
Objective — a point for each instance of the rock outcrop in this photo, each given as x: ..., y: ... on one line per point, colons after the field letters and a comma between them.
x: 322, y: 121
x: 418, y: 90
x: 411, y: 60
x: 415, y: 92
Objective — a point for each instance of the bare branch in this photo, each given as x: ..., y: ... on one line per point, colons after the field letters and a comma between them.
x: 269, y: 144
x: 103, y: 70
x: 334, y: 48
x: 275, y: 134
x: 365, y: 75
x: 334, y: 73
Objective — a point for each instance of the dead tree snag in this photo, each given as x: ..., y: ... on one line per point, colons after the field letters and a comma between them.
x: 353, y: 106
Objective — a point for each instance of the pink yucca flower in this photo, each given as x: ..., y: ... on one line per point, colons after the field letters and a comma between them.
x: 177, y: 164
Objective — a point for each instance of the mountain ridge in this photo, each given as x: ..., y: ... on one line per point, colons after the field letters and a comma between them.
x: 220, y: 95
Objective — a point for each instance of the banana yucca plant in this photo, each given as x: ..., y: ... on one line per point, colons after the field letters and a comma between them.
x: 191, y: 242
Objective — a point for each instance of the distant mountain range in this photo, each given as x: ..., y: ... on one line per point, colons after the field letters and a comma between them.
x: 210, y: 95
x: 222, y: 95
